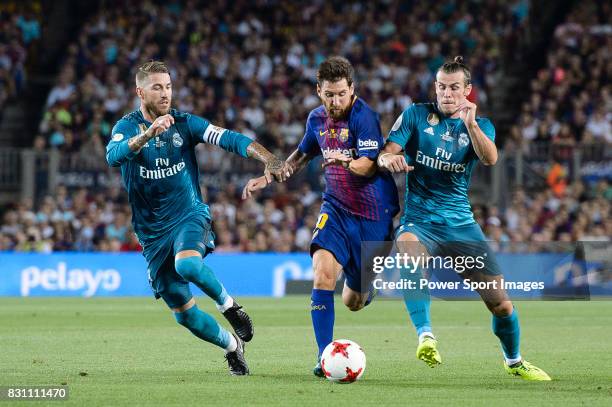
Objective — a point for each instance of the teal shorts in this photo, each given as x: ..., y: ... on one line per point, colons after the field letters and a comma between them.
x: 455, y: 241
x: 194, y: 233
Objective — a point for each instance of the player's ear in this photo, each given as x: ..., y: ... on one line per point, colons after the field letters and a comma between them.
x: 468, y: 90
x: 139, y: 92
x: 319, y: 90
x: 352, y: 88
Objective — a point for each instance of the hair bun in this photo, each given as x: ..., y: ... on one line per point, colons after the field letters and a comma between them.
x: 458, y: 59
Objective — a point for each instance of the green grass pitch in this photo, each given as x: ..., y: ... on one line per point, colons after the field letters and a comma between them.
x: 130, y: 351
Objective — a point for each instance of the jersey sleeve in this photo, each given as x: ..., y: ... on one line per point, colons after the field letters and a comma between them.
x: 203, y: 131
x: 309, y: 144
x: 487, y: 128
x: 118, y: 151
x: 368, y: 134
x: 402, y: 128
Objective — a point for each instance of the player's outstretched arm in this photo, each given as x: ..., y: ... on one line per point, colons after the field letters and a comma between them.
x: 391, y: 159
x: 294, y: 163
x: 254, y: 184
x: 297, y: 161
x: 275, y: 168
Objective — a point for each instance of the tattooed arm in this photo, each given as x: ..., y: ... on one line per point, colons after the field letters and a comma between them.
x: 296, y: 161
x: 275, y: 168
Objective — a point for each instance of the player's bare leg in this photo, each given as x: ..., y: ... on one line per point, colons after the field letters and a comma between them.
x: 326, y: 270
x: 189, y: 265
x: 506, y: 327
x: 418, y: 303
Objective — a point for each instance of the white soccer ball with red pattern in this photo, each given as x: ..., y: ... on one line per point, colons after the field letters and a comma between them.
x: 343, y: 361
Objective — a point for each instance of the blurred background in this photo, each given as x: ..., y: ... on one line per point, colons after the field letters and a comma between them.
x: 541, y: 72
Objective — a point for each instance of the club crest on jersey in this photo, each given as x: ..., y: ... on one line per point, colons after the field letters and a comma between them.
x: 118, y: 137
x: 464, y: 140
x: 433, y: 119
x: 177, y: 140
x: 344, y: 134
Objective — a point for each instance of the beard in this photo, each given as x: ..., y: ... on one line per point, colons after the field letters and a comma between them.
x: 337, y: 113
x: 156, y: 109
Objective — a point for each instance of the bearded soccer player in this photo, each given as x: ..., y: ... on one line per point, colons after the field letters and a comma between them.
x: 154, y: 146
x: 359, y: 203
x: 443, y: 141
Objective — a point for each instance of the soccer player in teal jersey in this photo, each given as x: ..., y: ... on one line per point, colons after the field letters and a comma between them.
x: 443, y: 141
x: 154, y: 146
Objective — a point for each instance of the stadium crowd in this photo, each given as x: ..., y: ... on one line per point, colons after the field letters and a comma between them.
x: 251, y: 66
x: 20, y: 29
x: 570, y: 103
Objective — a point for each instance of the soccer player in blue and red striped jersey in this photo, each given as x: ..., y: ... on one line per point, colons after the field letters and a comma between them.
x: 359, y: 203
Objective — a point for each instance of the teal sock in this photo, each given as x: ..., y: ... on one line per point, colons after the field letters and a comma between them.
x: 203, y: 326
x: 417, y: 302
x: 508, y: 331
x: 194, y: 270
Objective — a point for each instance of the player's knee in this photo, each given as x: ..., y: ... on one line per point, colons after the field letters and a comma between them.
x: 186, y: 318
x: 188, y: 267
x: 324, y: 279
x: 408, y: 243
x: 501, y: 309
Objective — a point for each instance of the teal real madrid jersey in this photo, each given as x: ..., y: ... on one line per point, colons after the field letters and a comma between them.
x: 440, y: 149
x: 162, y: 179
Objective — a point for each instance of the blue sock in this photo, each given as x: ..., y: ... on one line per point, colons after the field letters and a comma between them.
x: 322, y: 313
x: 203, y: 326
x: 417, y: 302
x: 508, y: 331
x: 194, y: 270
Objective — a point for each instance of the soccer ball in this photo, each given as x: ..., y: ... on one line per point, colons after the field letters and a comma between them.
x: 343, y: 361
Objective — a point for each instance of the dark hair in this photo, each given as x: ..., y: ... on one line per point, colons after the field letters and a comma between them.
x: 457, y: 65
x: 334, y: 69
x: 150, y: 67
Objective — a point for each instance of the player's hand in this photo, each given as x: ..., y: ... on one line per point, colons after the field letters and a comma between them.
x: 394, y: 163
x: 337, y: 158
x: 276, y: 170
x: 467, y: 112
x: 161, y: 124
x: 254, y: 184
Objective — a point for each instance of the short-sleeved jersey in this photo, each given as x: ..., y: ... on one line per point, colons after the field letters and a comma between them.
x: 162, y: 179
x: 440, y: 149
x: 359, y: 136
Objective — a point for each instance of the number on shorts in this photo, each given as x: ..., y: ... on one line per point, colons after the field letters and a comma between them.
x: 321, y: 221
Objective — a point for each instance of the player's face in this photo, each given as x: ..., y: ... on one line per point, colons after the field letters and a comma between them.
x: 336, y: 97
x: 156, y: 93
x: 451, y: 91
